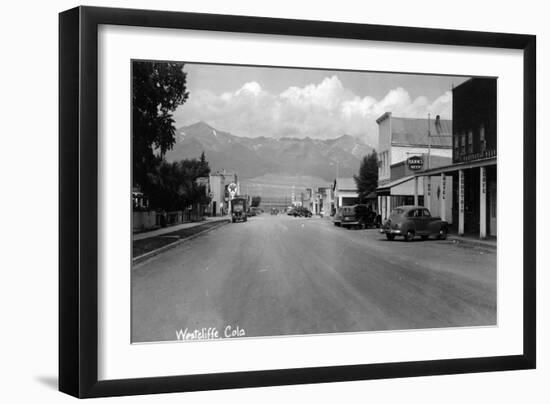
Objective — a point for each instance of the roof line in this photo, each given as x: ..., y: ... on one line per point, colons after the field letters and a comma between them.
x: 432, y: 146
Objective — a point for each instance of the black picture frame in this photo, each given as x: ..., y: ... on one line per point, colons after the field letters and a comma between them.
x: 78, y: 196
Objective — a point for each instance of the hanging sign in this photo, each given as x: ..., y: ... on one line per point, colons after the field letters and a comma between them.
x: 415, y: 163
x: 232, y: 188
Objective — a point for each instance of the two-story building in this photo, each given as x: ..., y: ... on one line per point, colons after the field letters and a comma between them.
x: 405, y: 146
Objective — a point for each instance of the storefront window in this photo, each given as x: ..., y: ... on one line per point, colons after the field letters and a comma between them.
x: 470, y: 142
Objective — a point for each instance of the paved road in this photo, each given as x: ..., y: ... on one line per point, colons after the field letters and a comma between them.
x: 279, y: 275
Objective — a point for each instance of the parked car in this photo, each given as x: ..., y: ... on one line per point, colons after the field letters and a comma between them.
x: 304, y: 212
x: 337, y: 217
x: 300, y: 211
x: 274, y: 211
x: 411, y: 221
x: 358, y: 216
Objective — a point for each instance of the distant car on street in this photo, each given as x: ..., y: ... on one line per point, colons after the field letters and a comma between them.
x: 238, y: 210
x: 410, y: 221
x: 304, y: 212
x: 300, y: 211
x: 254, y: 211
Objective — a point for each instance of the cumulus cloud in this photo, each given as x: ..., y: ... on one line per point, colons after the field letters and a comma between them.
x: 318, y: 110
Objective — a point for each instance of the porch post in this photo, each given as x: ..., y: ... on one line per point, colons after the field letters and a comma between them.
x: 428, y: 196
x: 460, y: 202
x: 443, y: 199
x: 416, y: 191
x: 482, y: 202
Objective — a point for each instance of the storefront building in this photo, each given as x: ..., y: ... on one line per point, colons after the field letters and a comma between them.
x: 345, y: 192
x: 219, y: 197
x: 474, y: 168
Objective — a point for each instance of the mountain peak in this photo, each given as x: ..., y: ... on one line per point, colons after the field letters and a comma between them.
x: 252, y: 157
x: 199, y: 125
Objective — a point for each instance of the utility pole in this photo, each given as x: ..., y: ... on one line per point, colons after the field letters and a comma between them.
x: 429, y: 141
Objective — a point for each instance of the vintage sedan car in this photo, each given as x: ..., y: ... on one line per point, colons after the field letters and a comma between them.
x: 357, y: 216
x: 301, y: 211
x: 411, y: 221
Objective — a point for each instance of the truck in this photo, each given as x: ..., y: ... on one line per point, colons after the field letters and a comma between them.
x: 238, y: 209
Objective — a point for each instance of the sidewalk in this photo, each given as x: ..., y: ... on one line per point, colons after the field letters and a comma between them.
x: 155, y: 242
x: 472, y: 240
x: 171, y: 229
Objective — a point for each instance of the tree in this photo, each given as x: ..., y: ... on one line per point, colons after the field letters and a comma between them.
x: 158, y: 88
x: 255, y: 202
x: 367, y: 180
x: 174, y: 186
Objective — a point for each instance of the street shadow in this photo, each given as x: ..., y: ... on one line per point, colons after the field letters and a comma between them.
x: 48, y: 381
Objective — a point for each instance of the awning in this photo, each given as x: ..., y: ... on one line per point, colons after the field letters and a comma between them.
x: 393, y: 183
x: 458, y: 166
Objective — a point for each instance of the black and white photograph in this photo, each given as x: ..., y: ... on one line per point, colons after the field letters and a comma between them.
x: 273, y: 201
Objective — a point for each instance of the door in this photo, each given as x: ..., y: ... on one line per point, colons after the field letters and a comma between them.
x: 419, y: 222
x: 493, y: 208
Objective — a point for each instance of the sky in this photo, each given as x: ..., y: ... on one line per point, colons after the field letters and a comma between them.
x: 276, y: 102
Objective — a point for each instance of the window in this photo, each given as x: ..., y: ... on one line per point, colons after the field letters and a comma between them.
x: 470, y: 142
x: 456, y: 145
x: 462, y: 144
x: 426, y: 213
x: 482, y: 141
x: 414, y: 213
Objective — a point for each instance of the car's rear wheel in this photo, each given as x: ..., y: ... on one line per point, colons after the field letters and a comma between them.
x: 443, y: 233
x: 390, y: 237
x: 409, y: 235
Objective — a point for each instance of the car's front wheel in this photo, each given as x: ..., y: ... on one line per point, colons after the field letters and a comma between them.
x: 443, y: 233
x: 409, y: 235
x: 390, y: 237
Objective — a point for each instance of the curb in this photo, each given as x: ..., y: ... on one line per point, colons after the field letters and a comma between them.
x: 150, y: 254
x: 477, y: 243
